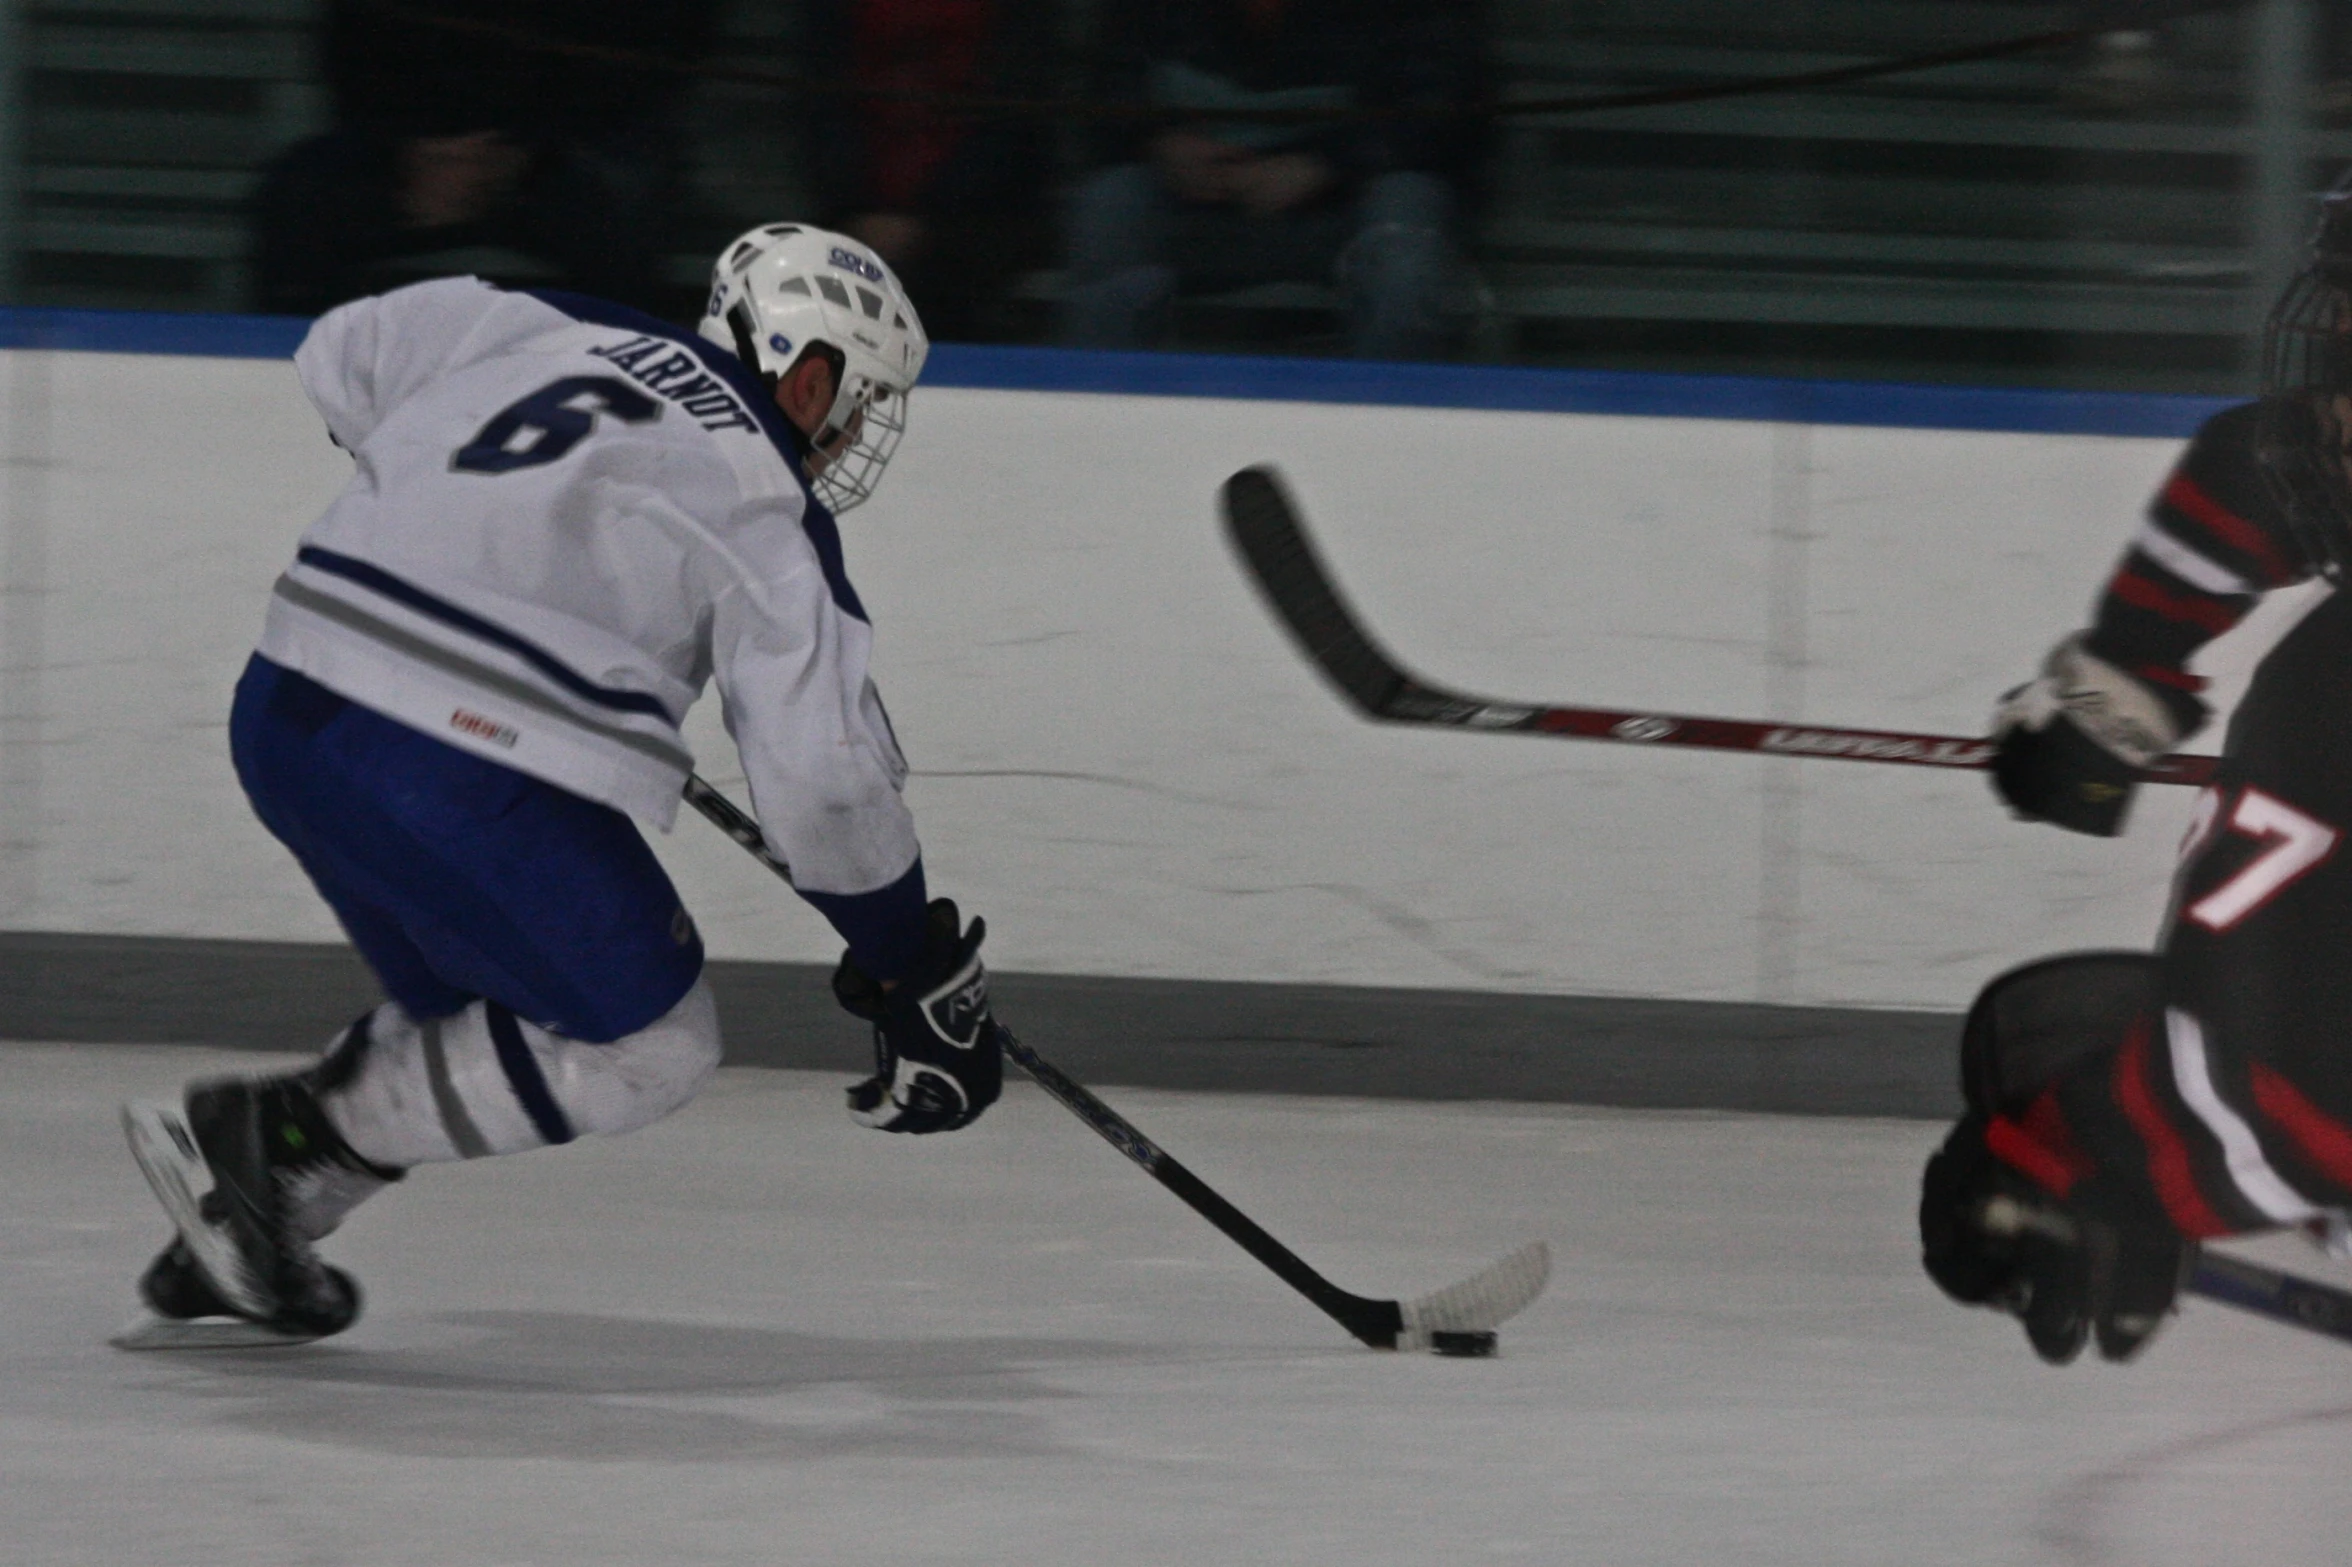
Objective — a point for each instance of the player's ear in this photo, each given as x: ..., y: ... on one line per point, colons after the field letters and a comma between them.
x: 806, y: 392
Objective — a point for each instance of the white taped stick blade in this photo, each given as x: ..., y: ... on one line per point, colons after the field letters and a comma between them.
x: 1481, y: 1302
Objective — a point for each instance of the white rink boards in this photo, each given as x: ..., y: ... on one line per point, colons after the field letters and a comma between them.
x: 757, y: 1334
x: 1120, y: 759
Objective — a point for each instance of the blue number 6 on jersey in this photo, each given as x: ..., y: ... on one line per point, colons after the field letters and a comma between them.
x: 554, y: 423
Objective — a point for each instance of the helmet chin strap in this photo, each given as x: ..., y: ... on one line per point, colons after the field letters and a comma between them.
x: 846, y: 404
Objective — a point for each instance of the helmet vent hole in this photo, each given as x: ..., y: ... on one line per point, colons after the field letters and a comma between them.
x: 793, y: 285
x: 831, y: 288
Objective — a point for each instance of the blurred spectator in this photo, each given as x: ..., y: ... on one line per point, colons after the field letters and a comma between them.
x: 1368, y: 203
x: 450, y: 144
x: 2134, y: 67
x: 953, y: 200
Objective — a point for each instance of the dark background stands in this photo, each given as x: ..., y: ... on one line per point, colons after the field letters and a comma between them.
x: 459, y: 152
x: 1369, y: 205
x: 955, y: 201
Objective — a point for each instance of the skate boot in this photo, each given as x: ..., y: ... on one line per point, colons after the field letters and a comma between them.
x: 283, y: 1176
x: 174, y: 1287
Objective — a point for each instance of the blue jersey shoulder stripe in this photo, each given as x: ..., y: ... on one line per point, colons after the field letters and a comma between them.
x: 400, y: 591
x: 823, y: 532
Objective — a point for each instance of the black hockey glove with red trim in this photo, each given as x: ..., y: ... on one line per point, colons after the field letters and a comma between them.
x: 937, y: 1060
x: 2076, y: 1253
x: 2067, y: 1271
x: 2072, y: 743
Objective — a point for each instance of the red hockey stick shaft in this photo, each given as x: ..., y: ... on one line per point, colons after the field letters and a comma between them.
x: 1271, y: 538
x: 1808, y: 740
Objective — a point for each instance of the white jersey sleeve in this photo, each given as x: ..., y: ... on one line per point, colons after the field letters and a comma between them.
x: 566, y: 519
x: 824, y: 768
x: 365, y: 358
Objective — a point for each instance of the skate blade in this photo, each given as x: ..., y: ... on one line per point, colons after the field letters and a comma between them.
x: 167, y: 1155
x: 166, y: 1333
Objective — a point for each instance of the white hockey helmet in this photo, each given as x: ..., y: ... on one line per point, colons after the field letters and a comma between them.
x: 784, y: 287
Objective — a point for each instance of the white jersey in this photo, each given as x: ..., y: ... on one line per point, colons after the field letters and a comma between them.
x: 566, y: 518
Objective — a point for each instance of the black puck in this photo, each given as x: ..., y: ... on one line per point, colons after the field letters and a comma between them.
x: 1464, y: 1344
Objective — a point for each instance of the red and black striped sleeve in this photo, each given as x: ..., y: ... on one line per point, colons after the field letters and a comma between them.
x: 2213, y: 543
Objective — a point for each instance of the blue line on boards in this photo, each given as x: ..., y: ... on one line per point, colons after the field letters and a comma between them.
x: 1498, y: 388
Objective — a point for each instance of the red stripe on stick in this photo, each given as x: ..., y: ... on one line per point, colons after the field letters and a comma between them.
x: 1808, y: 740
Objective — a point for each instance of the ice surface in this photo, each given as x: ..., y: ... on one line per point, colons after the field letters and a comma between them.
x: 758, y: 1334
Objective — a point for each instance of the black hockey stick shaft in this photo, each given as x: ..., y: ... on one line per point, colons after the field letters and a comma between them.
x: 2283, y: 1297
x: 1376, y: 1322
x: 1268, y: 532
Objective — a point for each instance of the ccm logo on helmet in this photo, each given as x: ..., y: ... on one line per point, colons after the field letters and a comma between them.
x: 851, y: 261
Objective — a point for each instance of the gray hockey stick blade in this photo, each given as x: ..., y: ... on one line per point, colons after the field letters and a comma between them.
x: 167, y: 1155
x: 169, y: 1333
x: 1480, y: 1303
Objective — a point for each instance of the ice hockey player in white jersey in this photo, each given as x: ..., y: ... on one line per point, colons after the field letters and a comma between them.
x: 565, y: 519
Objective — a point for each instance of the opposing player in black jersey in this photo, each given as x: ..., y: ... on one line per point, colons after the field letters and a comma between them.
x: 2122, y: 1106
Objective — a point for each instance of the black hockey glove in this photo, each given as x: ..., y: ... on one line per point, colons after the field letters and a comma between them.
x: 937, y: 1060
x: 2073, y: 742
x: 1991, y: 1237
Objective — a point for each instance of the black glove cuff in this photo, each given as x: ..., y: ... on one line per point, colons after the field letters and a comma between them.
x: 859, y: 993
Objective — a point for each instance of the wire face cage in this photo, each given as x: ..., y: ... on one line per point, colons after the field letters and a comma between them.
x: 859, y: 454
x: 2305, y: 441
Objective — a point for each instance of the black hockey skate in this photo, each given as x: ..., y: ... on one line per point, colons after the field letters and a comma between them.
x: 268, y: 1143
x: 186, y: 1312
x: 244, y: 1251
x: 175, y: 1287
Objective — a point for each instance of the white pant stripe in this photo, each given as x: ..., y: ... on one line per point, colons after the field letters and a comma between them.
x: 2243, y: 1154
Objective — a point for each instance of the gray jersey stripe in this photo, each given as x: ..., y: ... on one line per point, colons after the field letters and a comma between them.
x: 352, y: 617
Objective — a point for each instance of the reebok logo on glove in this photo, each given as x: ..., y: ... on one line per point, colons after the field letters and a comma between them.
x: 955, y: 1010
x: 937, y: 1059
